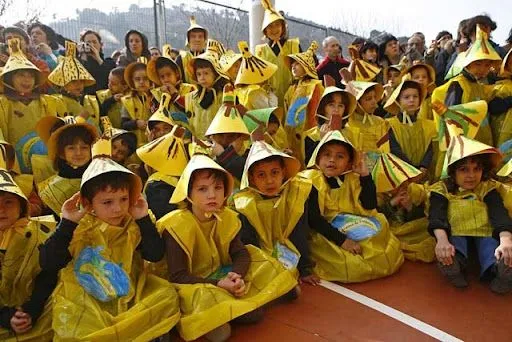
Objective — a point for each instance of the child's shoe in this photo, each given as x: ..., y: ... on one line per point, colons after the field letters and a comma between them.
x: 454, y: 273
x: 502, y: 284
x: 219, y: 334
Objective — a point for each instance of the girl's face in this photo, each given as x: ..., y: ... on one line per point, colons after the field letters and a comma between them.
x: 75, y: 88
x: 111, y: 206
x: 141, y: 81
x: 274, y: 31
x: 10, y: 210
x: 38, y: 36
x: 207, y: 194
x: 335, y: 106
x: 168, y: 76
x: 369, y: 101
x: 120, y: 151
x: 394, y: 77
x: 77, y: 154
x: 298, y: 70
x: 160, y: 129
x: 93, y: 41
x: 155, y: 53
x: 421, y: 76
x: 233, y: 71
x: 267, y: 177
x: 480, y: 69
x: 135, y: 44
x: 196, y: 40
x: 370, y: 56
x: 334, y: 160
x: 205, y: 77
x: 468, y: 175
x: 116, y: 84
x: 409, y: 100
x: 392, y: 49
x: 23, y: 81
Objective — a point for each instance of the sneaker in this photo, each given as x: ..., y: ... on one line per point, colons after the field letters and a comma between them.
x: 219, y: 334
x: 454, y: 274
x: 251, y: 317
x: 502, y: 284
x: 292, y: 295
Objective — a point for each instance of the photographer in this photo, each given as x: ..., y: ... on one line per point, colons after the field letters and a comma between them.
x: 46, y: 43
x: 91, y: 55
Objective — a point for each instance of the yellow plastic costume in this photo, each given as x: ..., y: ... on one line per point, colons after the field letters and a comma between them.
x: 201, y: 118
x: 74, y: 108
x: 114, y: 113
x: 502, y: 124
x: 139, y: 109
x: 56, y: 190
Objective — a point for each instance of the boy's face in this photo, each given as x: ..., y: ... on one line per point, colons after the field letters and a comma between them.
x: 10, y: 210
x: 154, y: 54
x: 135, y: 44
x: 480, y: 69
x: 224, y: 139
x: 298, y: 70
x: 335, y: 106
x: 274, y: 31
x: 23, y: 81
x: 370, y: 56
x: 167, y: 76
x: 267, y: 177
x: 160, y: 129
x: 334, y: 160
x: 120, y: 151
x: 205, y: 77
x: 369, y: 101
x: 421, y: 76
x: 207, y: 193
x: 410, y: 100
x: 75, y: 88
x: 141, y: 81
x: 468, y: 175
x: 116, y: 84
x: 394, y: 77
x: 233, y: 71
x: 111, y: 206
x: 196, y: 40
x: 77, y: 154
x: 272, y: 128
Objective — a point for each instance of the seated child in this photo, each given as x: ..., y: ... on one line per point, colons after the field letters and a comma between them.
x: 110, y: 99
x: 403, y: 206
x: 69, y: 142
x: 164, y: 119
x: 350, y: 241
x: 393, y: 77
x: 25, y: 313
x: 99, y: 247
x: 269, y: 121
x: 425, y: 75
x: 272, y: 204
x: 467, y: 207
x: 369, y: 53
x: 218, y: 278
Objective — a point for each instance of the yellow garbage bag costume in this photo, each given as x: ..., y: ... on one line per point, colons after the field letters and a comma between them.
x: 502, y: 124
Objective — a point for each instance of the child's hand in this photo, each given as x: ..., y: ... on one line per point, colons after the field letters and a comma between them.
x: 351, y: 246
x: 141, y: 124
x: 405, y: 202
x: 235, y: 287
x: 139, y: 209
x: 237, y: 144
x: 170, y: 89
x: 504, y: 250
x: 324, y: 129
x: 445, y: 251
x: 84, y: 114
x: 217, y: 149
x: 118, y: 97
x: 311, y: 279
x: 361, y: 168
x: 71, y: 209
x: 21, y: 322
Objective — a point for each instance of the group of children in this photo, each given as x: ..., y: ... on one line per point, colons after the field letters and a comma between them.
x: 193, y: 192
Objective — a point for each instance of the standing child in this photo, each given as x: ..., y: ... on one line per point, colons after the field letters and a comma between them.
x: 197, y: 37
x: 110, y: 99
x: 99, y: 247
x: 218, y: 279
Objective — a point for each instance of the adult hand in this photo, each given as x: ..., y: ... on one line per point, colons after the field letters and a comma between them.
x: 44, y: 49
x: 94, y: 53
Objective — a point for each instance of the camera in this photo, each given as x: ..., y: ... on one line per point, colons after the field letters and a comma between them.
x: 84, y: 47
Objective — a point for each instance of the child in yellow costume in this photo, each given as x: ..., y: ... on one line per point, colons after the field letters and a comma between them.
x: 350, y: 241
x: 71, y: 77
x: 279, y: 46
x: 252, y: 80
x: 405, y: 214
x: 272, y: 205
x: 197, y: 37
x: 202, y: 104
x: 269, y: 121
x: 411, y: 139
x: 164, y: 119
x: 230, y: 63
x: 425, y: 75
x: 468, y: 207
x: 103, y: 292
x: 137, y: 106
x: 503, y: 89
x: 165, y: 74
x: 69, y: 142
x: 301, y: 99
x: 468, y: 86
x: 218, y: 278
x: 21, y: 105
x: 25, y: 313
x: 110, y: 99
x: 365, y: 62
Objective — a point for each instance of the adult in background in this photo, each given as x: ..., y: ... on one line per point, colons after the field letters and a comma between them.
x: 155, y: 52
x: 508, y: 46
x: 488, y: 25
x: 46, y: 43
x: 389, y: 51
x: 441, y: 50
x: 416, y: 48
x: 333, y: 61
x: 136, y: 45
x: 90, y: 53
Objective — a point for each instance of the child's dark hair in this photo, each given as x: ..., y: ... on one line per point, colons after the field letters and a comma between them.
x: 217, y: 175
x: 71, y: 135
x: 270, y: 159
x: 410, y: 85
x: 221, y: 81
x: 165, y: 62
x: 483, y: 19
x: 111, y: 180
x: 23, y: 203
x: 349, y: 148
x: 128, y: 140
x: 273, y: 119
x: 328, y: 99
x: 482, y: 160
x: 119, y: 73
x: 368, y: 45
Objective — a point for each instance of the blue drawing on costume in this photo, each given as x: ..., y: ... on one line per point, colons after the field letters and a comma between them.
x: 221, y: 272
x: 356, y: 227
x: 27, y: 146
x: 296, y: 115
x: 506, y: 149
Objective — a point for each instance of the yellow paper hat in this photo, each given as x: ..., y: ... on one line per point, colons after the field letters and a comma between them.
x: 260, y: 117
x: 211, y: 57
x: 348, y: 99
x: 228, y: 118
x: 271, y: 15
x: 198, y: 162
x: 8, y: 158
x: 18, y: 61
x: 261, y: 150
x: 216, y: 47
x: 506, y: 170
x: 195, y: 26
x: 390, y: 172
x: 160, y: 115
x: 481, y: 49
x: 392, y: 105
x: 8, y: 184
x: 166, y: 154
x: 49, y: 134
x: 467, y: 116
x: 70, y: 69
x: 229, y: 59
x: 102, y: 164
x: 305, y: 59
x: 365, y: 71
x: 358, y: 88
x: 504, y: 72
x: 253, y: 69
x: 430, y: 71
x: 330, y: 137
x: 165, y: 60
x: 130, y: 69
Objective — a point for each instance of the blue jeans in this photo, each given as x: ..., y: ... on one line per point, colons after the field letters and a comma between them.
x: 485, y: 247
